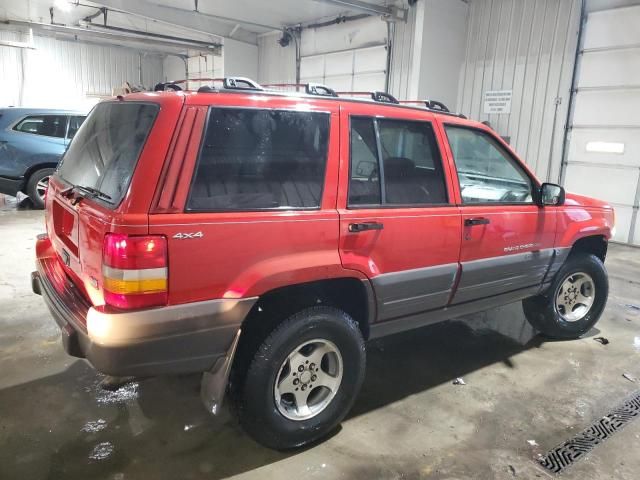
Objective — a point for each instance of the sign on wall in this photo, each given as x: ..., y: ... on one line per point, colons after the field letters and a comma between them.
x: 497, y: 101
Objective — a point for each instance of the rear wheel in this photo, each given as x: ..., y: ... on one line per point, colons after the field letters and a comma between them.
x: 37, y: 186
x: 575, y: 300
x: 303, y: 379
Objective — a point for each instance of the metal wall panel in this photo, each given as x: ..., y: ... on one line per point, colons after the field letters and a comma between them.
x: 68, y: 74
x: 403, y: 68
x: 10, y: 70
x: 529, y: 48
x: 276, y: 64
x: 603, y: 156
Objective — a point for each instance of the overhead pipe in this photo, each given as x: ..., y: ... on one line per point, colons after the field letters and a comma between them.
x: 203, y: 44
x: 90, y: 30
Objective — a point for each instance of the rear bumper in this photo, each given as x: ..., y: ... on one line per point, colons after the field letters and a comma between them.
x: 194, y: 337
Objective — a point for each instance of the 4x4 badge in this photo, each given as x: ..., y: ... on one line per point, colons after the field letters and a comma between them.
x: 184, y: 236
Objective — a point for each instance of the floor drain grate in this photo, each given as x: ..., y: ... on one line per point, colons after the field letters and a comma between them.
x: 562, y: 456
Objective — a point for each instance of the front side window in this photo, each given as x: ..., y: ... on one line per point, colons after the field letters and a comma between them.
x: 45, y: 125
x: 405, y: 162
x: 260, y: 159
x: 486, y: 172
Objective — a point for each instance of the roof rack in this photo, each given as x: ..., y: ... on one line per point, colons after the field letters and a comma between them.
x: 309, y: 88
x: 316, y: 89
x: 377, y: 96
x: 433, y: 105
x: 228, y: 83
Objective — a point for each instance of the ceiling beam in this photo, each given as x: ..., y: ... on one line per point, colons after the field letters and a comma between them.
x: 196, y: 21
x: 366, y: 7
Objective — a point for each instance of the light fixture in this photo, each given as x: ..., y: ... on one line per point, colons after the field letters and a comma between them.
x: 285, y: 39
x: 62, y: 5
x: 605, y: 147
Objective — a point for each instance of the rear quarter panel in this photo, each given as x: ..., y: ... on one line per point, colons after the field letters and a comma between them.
x: 94, y: 219
x: 244, y: 254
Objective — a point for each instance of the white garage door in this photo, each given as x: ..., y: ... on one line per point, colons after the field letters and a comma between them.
x: 604, y: 146
x: 349, y: 70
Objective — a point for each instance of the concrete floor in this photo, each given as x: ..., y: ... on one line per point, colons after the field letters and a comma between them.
x: 409, y: 422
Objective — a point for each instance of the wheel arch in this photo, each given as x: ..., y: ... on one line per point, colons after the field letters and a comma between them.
x: 34, y: 168
x: 594, y: 244
x: 353, y: 295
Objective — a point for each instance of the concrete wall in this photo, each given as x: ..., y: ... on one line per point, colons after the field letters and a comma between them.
x: 444, y: 40
x: 240, y: 59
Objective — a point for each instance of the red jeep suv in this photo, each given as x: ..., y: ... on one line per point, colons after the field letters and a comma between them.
x: 262, y: 237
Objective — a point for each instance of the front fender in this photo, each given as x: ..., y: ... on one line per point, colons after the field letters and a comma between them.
x: 576, y: 222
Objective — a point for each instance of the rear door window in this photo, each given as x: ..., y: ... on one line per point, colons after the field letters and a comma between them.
x: 395, y: 163
x: 260, y: 159
x: 45, y: 125
x: 105, y: 150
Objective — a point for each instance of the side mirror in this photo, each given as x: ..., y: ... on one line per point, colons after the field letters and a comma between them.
x: 551, y: 194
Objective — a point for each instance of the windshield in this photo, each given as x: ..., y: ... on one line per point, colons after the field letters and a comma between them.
x: 105, y: 150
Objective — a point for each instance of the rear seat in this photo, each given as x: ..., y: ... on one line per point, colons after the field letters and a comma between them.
x: 406, y: 184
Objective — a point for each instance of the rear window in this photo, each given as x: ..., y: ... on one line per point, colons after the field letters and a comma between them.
x: 260, y: 159
x: 105, y: 150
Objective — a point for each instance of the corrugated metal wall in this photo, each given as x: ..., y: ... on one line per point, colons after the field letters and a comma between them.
x: 10, y: 70
x: 276, y: 64
x: 528, y: 47
x: 403, y: 82
x: 61, y: 73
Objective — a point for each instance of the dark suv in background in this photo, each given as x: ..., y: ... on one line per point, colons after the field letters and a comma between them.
x: 31, y: 144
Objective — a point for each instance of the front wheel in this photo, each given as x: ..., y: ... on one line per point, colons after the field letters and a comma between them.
x: 303, y: 379
x: 574, y: 301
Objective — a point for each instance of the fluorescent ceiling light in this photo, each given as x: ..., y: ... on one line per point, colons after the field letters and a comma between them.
x: 605, y: 147
x: 63, y: 5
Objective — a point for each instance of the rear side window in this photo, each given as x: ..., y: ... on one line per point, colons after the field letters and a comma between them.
x: 74, y: 124
x: 260, y: 159
x: 404, y: 160
x: 46, y: 125
x: 105, y: 150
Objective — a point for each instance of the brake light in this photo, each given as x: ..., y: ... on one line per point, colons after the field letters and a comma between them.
x: 134, y: 271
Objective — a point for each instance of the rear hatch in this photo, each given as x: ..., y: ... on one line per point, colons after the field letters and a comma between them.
x: 89, y: 195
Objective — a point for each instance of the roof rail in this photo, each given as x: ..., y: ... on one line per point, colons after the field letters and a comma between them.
x: 377, y: 96
x: 430, y: 104
x: 309, y: 88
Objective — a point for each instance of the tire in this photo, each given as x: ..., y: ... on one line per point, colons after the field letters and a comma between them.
x: 564, y: 311
x: 35, y: 184
x: 271, y: 416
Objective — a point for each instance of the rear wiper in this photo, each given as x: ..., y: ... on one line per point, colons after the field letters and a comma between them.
x: 89, y: 191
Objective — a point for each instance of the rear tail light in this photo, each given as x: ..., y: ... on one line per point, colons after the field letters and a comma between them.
x: 134, y: 271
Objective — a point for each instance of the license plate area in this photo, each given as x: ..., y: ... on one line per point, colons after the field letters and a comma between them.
x: 65, y: 226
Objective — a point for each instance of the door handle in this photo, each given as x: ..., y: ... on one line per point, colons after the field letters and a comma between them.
x: 470, y: 222
x: 361, y: 227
